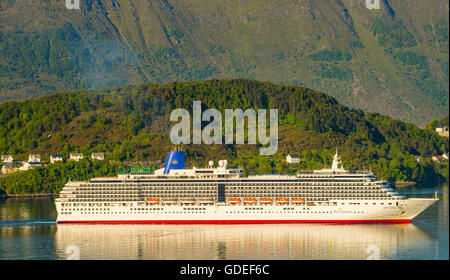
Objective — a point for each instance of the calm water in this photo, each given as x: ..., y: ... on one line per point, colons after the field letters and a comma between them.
x: 28, y: 231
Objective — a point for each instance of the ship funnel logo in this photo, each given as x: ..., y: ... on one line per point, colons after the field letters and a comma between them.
x: 174, y: 160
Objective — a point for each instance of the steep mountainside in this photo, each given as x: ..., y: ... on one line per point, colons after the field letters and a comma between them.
x: 393, y: 61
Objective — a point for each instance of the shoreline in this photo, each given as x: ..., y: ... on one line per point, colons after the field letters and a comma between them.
x: 411, y: 183
x: 28, y: 195
x: 402, y: 183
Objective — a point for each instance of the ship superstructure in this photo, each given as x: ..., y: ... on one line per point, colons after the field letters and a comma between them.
x: 221, y: 194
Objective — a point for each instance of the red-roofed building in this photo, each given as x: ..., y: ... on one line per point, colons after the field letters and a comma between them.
x: 438, y: 158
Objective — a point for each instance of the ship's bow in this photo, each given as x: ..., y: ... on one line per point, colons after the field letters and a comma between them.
x: 415, y: 206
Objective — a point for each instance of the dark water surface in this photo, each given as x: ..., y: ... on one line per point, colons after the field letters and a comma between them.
x: 28, y: 231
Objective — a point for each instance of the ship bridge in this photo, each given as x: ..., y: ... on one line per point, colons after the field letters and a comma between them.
x: 221, y: 171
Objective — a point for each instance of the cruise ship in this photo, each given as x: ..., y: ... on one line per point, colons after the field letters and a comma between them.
x: 220, y: 194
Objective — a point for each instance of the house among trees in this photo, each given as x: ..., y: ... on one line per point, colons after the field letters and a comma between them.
x: 292, y: 159
x: 438, y: 158
x: 7, y: 159
x: 418, y: 158
x: 34, y: 158
x: 55, y: 158
x: 8, y: 168
x: 8, y: 165
x: 30, y: 165
x: 442, y: 131
x: 76, y: 156
x: 98, y: 156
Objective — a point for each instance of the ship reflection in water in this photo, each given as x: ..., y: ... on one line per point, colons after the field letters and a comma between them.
x: 276, y: 241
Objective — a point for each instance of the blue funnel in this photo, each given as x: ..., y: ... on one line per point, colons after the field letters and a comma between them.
x: 174, y: 160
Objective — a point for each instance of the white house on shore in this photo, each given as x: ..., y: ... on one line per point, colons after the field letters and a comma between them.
x: 29, y: 165
x: 98, y: 156
x: 7, y: 158
x: 55, y: 158
x: 34, y: 158
x: 76, y: 156
x: 291, y: 159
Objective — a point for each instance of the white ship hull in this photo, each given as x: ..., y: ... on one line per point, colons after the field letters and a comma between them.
x: 345, y: 212
x: 220, y: 195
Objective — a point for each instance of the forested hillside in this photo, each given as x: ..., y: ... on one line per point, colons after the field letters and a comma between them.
x: 132, y: 123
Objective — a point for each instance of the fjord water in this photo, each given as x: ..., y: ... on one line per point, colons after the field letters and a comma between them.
x: 28, y: 231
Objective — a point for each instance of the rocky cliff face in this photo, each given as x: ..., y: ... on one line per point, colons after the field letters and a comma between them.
x: 393, y: 60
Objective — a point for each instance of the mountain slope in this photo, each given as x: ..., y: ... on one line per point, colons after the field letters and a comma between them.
x: 392, y: 61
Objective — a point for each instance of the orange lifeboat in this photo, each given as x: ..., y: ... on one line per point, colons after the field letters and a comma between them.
x: 152, y: 200
x: 234, y: 200
x: 265, y: 200
x: 282, y: 200
x: 310, y: 204
x: 298, y: 200
x: 250, y: 200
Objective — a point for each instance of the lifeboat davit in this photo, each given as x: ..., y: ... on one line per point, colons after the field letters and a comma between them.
x: 169, y: 200
x: 206, y: 200
x: 187, y: 200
